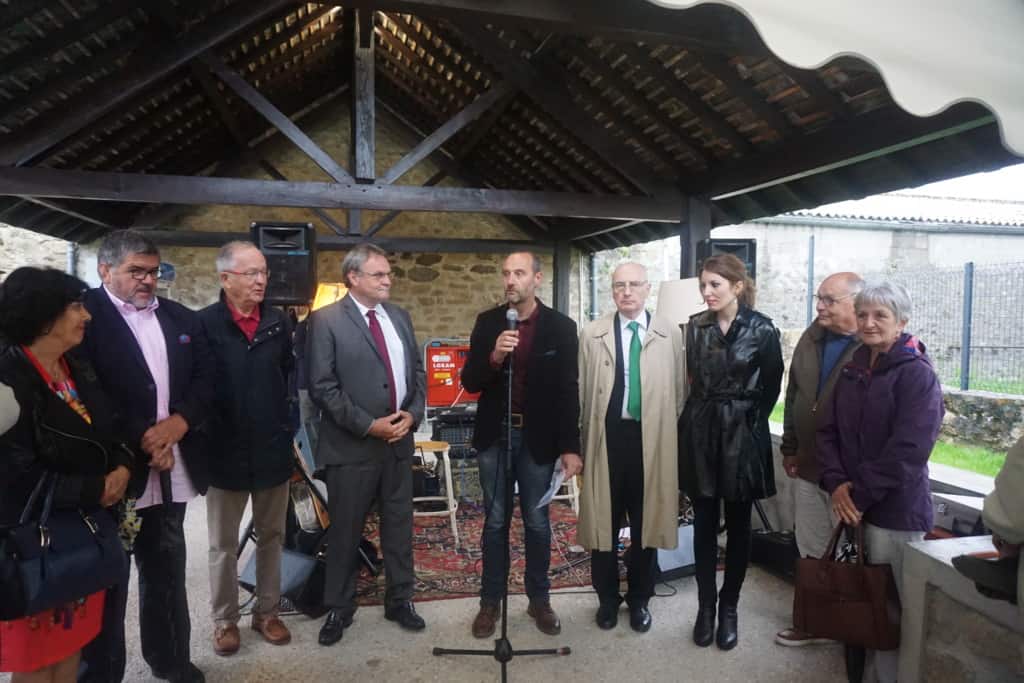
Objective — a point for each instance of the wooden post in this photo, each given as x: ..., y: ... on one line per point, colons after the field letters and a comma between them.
x: 562, y: 276
x: 362, y: 118
x: 695, y: 226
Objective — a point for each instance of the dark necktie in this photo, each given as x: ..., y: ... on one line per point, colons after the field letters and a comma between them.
x: 382, y: 348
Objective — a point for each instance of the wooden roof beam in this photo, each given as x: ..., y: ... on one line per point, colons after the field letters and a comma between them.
x: 553, y: 97
x: 49, y: 131
x: 640, y: 60
x: 276, y: 118
x: 878, y: 133
x: 152, y: 188
x: 706, y: 28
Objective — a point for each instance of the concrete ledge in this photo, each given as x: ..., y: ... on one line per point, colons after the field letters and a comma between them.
x: 945, y: 618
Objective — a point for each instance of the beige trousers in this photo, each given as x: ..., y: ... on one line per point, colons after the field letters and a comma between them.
x: 224, y: 510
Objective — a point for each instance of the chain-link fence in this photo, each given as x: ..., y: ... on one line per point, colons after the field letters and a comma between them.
x: 977, y: 308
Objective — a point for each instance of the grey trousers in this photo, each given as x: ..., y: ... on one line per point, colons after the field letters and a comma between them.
x: 886, y: 546
x: 814, y: 520
x: 224, y: 510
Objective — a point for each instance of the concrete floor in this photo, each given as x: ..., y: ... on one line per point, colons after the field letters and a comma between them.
x: 374, y: 649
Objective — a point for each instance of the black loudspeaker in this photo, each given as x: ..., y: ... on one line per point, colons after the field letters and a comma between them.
x: 290, y: 250
x: 744, y: 250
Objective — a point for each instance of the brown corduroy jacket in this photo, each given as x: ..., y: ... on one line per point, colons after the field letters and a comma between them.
x: 802, y: 398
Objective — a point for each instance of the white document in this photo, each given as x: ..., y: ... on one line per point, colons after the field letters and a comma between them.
x: 557, y: 479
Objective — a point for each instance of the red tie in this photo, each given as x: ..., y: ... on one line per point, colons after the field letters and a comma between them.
x: 382, y: 348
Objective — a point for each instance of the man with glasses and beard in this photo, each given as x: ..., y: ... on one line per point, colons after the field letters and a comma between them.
x: 252, y: 432
x: 152, y: 358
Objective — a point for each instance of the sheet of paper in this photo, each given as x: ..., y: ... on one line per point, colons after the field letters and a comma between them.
x: 557, y: 479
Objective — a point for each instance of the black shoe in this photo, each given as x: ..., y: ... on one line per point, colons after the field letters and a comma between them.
x: 405, y: 615
x: 334, y: 627
x: 728, y: 622
x: 607, y: 615
x: 704, y: 627
x: 191, y: 674
x: 640, y: 618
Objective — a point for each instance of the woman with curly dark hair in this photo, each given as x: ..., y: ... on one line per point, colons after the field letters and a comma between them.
x: 62, y: 428
x: 734, y: 360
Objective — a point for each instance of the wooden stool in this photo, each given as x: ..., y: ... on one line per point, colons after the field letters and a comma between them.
x: 440, y: 448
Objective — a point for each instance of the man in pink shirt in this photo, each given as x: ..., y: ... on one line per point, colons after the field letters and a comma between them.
x: 153, y: 360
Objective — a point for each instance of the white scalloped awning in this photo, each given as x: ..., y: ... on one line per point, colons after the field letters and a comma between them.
x: 931, y: 53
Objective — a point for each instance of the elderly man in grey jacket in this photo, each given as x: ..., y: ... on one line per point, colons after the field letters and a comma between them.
x: 823, y: 349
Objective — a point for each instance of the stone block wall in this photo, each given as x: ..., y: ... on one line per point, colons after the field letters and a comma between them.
x: 19, y: 247
x: 978, y: 417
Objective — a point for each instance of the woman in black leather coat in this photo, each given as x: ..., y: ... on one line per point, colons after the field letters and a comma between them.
x: 63, y: 425
x: 734, y: 360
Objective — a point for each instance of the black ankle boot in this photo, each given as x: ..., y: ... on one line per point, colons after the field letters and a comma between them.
x: 728, y: 625
x: 704, y: 626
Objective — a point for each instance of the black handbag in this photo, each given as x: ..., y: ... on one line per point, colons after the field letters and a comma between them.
x: 64, y: 555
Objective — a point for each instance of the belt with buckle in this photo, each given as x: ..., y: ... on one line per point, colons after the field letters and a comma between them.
x: 516, y: 420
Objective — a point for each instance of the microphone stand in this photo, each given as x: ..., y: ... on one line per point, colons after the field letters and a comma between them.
x: 503, y: 651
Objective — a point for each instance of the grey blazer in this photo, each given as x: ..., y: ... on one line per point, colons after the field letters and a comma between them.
x: 349, y: 383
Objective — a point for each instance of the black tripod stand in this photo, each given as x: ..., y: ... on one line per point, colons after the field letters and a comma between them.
x: 503, y: 651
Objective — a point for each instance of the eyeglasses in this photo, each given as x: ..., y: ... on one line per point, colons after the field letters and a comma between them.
x: 140, y: 275
x: 829, y: 301
x: 632, y: 284
x: 378, y: 276
x: 251, y: 275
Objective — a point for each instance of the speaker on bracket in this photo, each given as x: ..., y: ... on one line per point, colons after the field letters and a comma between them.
x: 290, y: 250
x: 745, y: 250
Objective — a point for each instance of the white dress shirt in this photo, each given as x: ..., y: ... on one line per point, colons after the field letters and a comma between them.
x: 396, y: 352
x: 626, y: 337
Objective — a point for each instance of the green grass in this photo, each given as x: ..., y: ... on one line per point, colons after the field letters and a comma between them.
x: 971, y: 458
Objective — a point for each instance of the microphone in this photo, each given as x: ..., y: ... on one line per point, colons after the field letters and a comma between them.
x: 512, y: 318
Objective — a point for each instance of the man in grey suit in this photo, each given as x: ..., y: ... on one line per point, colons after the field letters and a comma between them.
x: 366, y: 376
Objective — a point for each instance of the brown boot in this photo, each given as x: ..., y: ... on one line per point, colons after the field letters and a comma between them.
x: 226, y: 640
x: 483, y: 625
x: 272, y: 629
x: 545, y: 617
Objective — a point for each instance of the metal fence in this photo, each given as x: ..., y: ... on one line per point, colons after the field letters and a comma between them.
x: 972, y: 321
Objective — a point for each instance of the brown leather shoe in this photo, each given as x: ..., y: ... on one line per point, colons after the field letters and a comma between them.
x: 272, y: 629
x: 545, y: 617
x: 226, y: 640
x: 483, y: 625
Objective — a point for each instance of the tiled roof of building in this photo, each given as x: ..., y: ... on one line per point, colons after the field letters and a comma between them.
x: 914, y: 207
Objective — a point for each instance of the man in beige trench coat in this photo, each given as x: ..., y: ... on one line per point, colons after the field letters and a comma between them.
x: 632, y: 391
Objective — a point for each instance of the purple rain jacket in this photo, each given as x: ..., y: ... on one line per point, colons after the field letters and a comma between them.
x: 878, y: 432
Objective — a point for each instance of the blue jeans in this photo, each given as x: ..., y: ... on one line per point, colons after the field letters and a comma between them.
x: 533, y: 480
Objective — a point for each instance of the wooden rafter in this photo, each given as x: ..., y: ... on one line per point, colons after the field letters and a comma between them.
x: 49, y: 131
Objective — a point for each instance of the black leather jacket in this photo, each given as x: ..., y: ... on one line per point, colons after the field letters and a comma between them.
x: 724, y: 444
x: 51, y: 436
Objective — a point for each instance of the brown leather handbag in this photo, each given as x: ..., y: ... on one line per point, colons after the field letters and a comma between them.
x: 852, y: 602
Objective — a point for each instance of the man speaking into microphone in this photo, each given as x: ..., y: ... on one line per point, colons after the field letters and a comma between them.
x: 541, y: 345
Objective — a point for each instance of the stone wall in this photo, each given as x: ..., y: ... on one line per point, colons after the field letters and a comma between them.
x: 20, y: 247
x: 965, y: 646
x: 994, y: 421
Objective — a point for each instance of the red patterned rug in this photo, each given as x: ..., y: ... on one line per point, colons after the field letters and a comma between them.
x: 444, y: 571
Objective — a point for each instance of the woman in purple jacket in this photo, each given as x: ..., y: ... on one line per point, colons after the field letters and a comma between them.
x: 875, y: 438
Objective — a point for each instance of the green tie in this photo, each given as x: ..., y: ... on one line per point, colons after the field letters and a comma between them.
x: 633, y: 404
